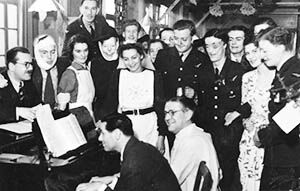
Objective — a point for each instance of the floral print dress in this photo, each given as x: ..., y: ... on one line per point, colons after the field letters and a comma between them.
x: 251, y: 157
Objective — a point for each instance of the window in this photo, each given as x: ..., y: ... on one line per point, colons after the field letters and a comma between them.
x: 109, y: 9
x: 9, y: 26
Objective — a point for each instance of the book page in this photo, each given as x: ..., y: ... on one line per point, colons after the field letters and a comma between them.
x: 21, y: 127
x: 61, y: 135
x: 288, y: 117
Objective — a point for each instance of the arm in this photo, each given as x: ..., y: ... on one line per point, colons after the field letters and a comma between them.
x: 66, y: 86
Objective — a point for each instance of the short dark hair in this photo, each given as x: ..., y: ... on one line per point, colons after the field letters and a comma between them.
x: 130, y: 22
x: 11, y: 54
x: 163, y: 30
x: 78, y: 38
x: 97, y: 2
x: 217, y: 33
x: 137, y: 46
x: 264, y: 20
x: 185, y: 24
x: 118, y: 121
x: 278, y: 36
x: 185, y: 102
x: 152, y: 41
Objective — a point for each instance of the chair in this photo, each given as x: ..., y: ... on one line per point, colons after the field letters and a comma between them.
x: 203, y: 172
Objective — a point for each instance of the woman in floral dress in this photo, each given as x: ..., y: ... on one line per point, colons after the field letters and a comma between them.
x: 255, y: 90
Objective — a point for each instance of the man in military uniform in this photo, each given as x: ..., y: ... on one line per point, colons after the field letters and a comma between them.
x: 90, y: 24
x: 220, y: 93
x: 180, y: 65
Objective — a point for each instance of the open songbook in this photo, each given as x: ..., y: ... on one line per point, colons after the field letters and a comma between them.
x: 60, y: 135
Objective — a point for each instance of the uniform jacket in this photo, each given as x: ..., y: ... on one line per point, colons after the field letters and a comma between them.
x: 111, y: 100
x: 10, y: 99
x: 144, y: 169
x: 281, y: 150
x: 177, y: 73
x: 62, y: 63
x: 77, y: 27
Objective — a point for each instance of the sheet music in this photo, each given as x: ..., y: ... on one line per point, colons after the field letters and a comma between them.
x: 61, y: 135
x: 21, y: 127
x: 288, y: 117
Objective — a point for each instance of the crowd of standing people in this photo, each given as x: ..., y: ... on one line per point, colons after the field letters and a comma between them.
x: 193, y: 106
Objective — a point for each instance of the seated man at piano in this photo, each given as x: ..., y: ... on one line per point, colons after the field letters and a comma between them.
x: 18, y: 97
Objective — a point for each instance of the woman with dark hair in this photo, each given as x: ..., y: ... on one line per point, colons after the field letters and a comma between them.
x: 255, y: 91
x: 136, y: 90
x: 76, y: 86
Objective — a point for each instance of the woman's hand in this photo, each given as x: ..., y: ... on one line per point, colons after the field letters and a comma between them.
x: 160, y: 144
x: 230, y: 117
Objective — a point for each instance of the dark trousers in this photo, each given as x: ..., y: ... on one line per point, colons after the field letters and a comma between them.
x: 280, y: 178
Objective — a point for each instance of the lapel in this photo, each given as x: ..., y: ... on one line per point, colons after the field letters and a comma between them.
x: 37, y: 79
x: 11, y: 92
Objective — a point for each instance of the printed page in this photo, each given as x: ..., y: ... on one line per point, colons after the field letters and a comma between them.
x: 288, y: 117
x: 61, y: 135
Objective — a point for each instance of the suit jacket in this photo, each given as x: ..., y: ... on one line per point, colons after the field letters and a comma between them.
x: 281, y: 149
x: 144, y: 169
x: 62, y: 63
x: 111, y: 101
x: 217, y: 97
x: 177, y: 73
x: 77, y: 27
x: 10, y: 99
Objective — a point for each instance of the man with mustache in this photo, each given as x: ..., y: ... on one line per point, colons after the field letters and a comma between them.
x: 19, y: 97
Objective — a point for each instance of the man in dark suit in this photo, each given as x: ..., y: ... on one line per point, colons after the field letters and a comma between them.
x: 143, y: 168
x: 180, y: 65
x: 48, y: 68
x: 19, y: 98
x: 90, y: 24
x: 220, y: 93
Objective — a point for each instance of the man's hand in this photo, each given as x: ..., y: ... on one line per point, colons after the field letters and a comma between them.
x: 230, y: 117
x: 160, y: 144
x: 189, y: 92
x: 105, y: 179
x: 94, y: 186
x: 26, y: 113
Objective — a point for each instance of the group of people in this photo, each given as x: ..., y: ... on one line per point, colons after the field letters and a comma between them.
x: 169, y: 106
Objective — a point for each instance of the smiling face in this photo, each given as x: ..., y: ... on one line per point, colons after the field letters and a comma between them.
x: 183, y: 40
x: 132, y: 60
x: 130, y: 34
x: 107, y: 138
x: 153, y: 50
x: 22, y: 68
x: 89, y: 10
x: 168, y: 37
x: 253, y: 55
x: 80, y: 53
x: 109, y: 47
x: 236, y: 41
x: 215, y: 48
x: 271, y: 54
x: 175, y: 116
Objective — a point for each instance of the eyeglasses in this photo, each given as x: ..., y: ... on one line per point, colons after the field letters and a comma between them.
x: 172, y: 112
x: 26, y: 64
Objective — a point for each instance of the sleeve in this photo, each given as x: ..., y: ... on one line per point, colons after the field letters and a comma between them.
x: 159, y: 103
x: 245, y: 108
x: 7, y: 109
x: 68, y: 35
x: 68, y: 82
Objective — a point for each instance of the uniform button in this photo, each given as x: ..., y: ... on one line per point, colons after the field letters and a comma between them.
x: 180, y: 68
x: 195, y: 76
x: 216, y: 88
x: 216, y: 106
x: 216, y: 97
x: 215, y: 117
x: 231, y: 92
x: 179, y: 79
x: 165, y: 72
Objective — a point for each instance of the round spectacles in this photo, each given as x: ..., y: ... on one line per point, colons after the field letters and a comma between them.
x: 26, y: 64
x: 172, y: 112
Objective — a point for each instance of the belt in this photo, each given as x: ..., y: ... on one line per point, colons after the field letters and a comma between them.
x: 138, y: 111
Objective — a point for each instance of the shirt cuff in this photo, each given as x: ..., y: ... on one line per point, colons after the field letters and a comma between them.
x: 17, y: 113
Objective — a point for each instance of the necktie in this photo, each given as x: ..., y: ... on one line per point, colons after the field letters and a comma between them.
x: 181, y: 57
x: 21, y: 91
x: 49, y: 95
x: 92, y: 32
x: 217, y: 73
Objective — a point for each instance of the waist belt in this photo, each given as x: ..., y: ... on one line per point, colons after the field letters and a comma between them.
x: 138, y: 111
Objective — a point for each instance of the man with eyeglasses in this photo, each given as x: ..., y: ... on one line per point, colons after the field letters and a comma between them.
x: 19, y: 98
x: 191, y: 146
x: 90, y: 24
